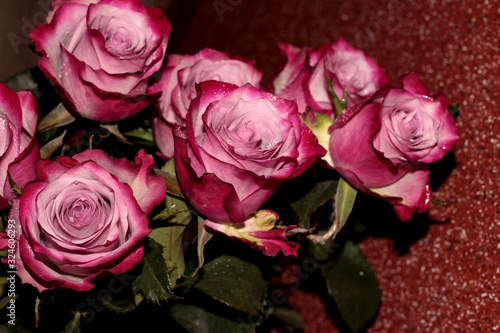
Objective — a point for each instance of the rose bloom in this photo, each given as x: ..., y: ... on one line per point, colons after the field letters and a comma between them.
x: 101, y: 55
x: 239, y: 145
x: 18, y: 147
x: 177, y: 85
x: 83, y: 218
x: 303, y: 76
x: 382, y: 146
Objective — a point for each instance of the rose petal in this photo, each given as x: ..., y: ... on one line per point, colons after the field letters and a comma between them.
x: 409, y: 194
x: 207, y: 193
x: 19, y: 149
x: 259, y: 232
x: 412, y: 83
x: 65, y: 26
x: 352, y: 151
x: 179, y: 79
x: 149, y: 190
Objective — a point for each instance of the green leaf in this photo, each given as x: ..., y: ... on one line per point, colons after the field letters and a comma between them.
x: 50, y: 147
x: 198, y: 320
x: 319, y: 194
x: 171, y: 235
x: 344, y: 201
x: 234, y: 282
x: 37, y: 311
x: 187, y: 284
x: 168, y: 173
x: 6, y: 301
x: 74, y: 325
x: 203, y: 237
x: 320, y: 126
x: 438, y: 202
x: 113, y: 129
x: 169, y: 167
x: 59, y: 116
x: 153, y: 282
x: 118, y: 302
x: 17, y: 328
x: 138, y: 298
x: 339, y: 105
x: 17, y: 190
x: 171, y: 182
x: 142, y: 136
x: 351, y: 282
x: 23, y: 81
x: 454, y: 110
x: 290, y: 316
x: 3, y: 283
x: 167, y: 213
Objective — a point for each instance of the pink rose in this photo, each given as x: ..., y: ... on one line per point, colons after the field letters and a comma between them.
x: 415, y: 127
x: 18, y: 147
x: 303, y: 76
x: 239, y: 145
x: 178, y: 87
x: 101, y: 55
x: 291, y: 81
x: 83, y: 218
x: 381, y: 146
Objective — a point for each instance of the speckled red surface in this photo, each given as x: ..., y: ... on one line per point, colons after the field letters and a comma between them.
x: 449, y: 279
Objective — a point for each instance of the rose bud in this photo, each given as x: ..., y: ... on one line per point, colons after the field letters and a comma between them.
x: 349, y: 69
x: 101, y: 55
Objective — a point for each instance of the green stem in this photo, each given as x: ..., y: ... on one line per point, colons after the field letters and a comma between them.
x: 338, y: 105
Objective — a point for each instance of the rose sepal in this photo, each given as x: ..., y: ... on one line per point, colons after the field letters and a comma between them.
x: 260, y: 231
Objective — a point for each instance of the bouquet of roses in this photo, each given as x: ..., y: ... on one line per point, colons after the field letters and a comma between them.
x: 146, y: 159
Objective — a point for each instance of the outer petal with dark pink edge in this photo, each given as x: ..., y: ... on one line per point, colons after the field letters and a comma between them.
x: 291, y: 80
x: 412, y: 83
x: 260, y: 232
x: 352, y: 150
x: 309, y: 151
x: 410, y: 193
x: 149, y: 190
x: 207, y: 193
x: 404, y: 185
x: 87, y: 101
x: 18, y: 147
x: 68, y: 23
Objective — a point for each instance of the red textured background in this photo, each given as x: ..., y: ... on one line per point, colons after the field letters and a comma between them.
x: 448, y: 280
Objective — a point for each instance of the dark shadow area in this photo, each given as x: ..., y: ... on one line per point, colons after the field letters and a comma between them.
x: 374, y: 217
x: 441, y: 170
